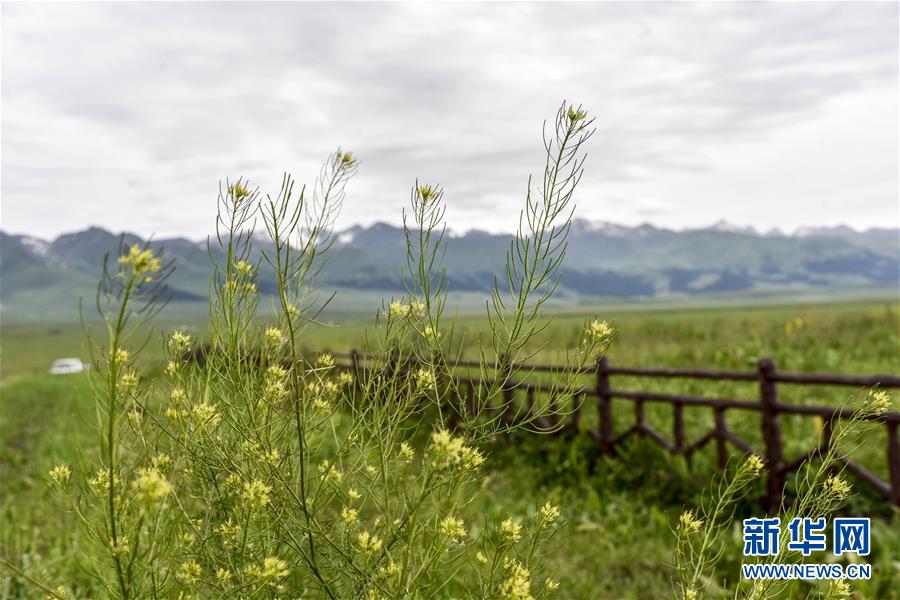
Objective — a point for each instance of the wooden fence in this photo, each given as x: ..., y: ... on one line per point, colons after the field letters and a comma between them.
x: 767, y: 378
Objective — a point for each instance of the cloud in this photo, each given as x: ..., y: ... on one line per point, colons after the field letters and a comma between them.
x: 128, y: 115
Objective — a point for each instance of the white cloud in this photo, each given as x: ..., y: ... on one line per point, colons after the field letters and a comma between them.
x: 128, y: 115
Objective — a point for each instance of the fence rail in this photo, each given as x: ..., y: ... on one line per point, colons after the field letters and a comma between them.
x: 766, y: 376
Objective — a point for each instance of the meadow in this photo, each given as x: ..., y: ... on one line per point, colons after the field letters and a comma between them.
x: 616, y: 540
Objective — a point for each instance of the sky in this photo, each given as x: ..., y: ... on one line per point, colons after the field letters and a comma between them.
x: 128, y: 115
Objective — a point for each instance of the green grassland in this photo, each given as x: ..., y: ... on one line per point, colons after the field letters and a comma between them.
x: 617, y: 539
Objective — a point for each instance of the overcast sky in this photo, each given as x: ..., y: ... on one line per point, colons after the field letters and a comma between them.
x: 771, y: 115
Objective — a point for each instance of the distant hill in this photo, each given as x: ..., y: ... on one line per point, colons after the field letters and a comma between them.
x: 44, y: 279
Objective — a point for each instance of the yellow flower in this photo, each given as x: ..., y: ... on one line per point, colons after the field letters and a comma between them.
x: 171, y: 367
x: 517, y: 585
x: 398, y: 309
x: 837, y: 486
x: 223, y: 575
x: 406, y: 451
x: 345, y: 378
x: 179, y: 340
x: 840, y: 589
x: 150, y: 487
x: 878, y: 402
x: 353, y: 494
x: 453, y: 528
x: 417, y: 307
x: 481, y: 558
x: 60, y: 474
x: 755, y: 464
x: 430, y: 334
x: 250, y: 287
x: 256, y: 493
x: 272, y: 568
x: 205, y: 414
x: 141, y: 262
x: 576, y: 114
x: 189, y: 572
x: 511, y: 530
x: 121, y: 356
x: 425, y: 379
x: 326, y: 361
x: 347, y: 159
x: 243, y: 267
x: 368, y: 543
x: 447, y: 451
x: 550, y: 585
x: 129, y: 381
x: 238, y: 190
x: 274, y: 336
x: 549, y: 513
x: 161, y: 461
x: 689, y: 522
x: 427, y: 193
x: 349, y: 515
x: 600, y: 333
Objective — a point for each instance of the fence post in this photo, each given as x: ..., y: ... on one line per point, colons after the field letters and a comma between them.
x: 771, y: 430
x: 604, y: 406
x: 894, y: 461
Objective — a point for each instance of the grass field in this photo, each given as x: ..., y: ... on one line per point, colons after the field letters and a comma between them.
x: 617, y: 540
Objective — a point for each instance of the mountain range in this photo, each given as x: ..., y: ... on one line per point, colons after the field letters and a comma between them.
x: 43, y: 279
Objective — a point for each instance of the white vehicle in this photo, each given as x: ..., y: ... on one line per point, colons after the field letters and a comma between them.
x: 62, y: 366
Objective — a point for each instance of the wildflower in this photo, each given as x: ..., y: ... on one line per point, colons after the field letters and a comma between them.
x: 576, y: 114
x: 274, y: 336
x: 176, y: 395
x: 320, y: 403
x: 345, y: 378
x: 330, y: 473
x: 189, y: 572
x: 453, y: 528
x: 689, y: 522
x: 59, y: 592
x: 272, y: 568
x: 325, y: 361
x: 238, y: 190
x: 600, y: 333
x: 161, y: 461
x: 406, y: 451
x: 179, y: 340
x: 837, y: 486
x: 134, y: 417
x: 447, y: 451
x: 271, y: 456
x: 256, y: 493
x: 150, y: 486
x: 243, y: 267
x: 120, y: 356
x: 417, y: 307
x: 141, y: 262
x: 517, y: 585
x: 223, y: 575
x: 550, y: 585
x: 427, y: 193
x: 100, y: 481
x: 173, y: 413
x: 233, y: 480
x: 171, y: 367
x: 368, y: 543
x: 60, y: 474
x: 371, y: 470
x: 481, y: 558
x: 755, y: 464
x: 511, y: 530
x: 690, y: 594
x: 398, y: 309
x: 425, y: 379
x: 839, y: 589
x: 120, y: 548
x: 250, y: 287
x: 549, y: 513
x: 349, y: 516
x: 430, y: 334
x: 275, y: 388
x: 206, y: 414
x: 878, y: 402
x: 188, y: 538
x: 128, y: 381
x: 353, y: 494
x: 347, y: 159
